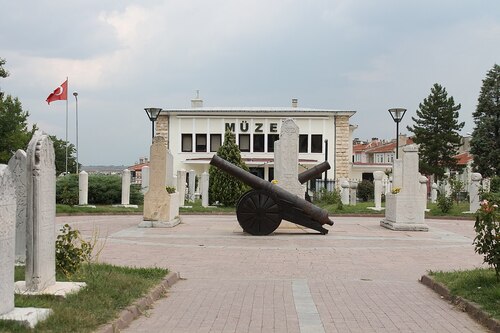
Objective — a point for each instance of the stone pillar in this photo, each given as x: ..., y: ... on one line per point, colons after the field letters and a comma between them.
x: 342, y: 147
x: 126, y: 187
x: 162, y: 127
x: 181, y: 186
x: 204, y: 186
x: 7, y: 237
x: 474, y: 190
x: 397, y: 173
x: 378, y: 188
x: 423, y: 189
x: 145, y: 179
x: 286, y: 158
x: 41, y: 252
x: 447, y: 185
x: 170, y: 170
x: 344, y: 192
x: 159, y: 211
x: 434, y: 192
x: 83, y: 188
x: 403, y: 210
x: 18, y: 167
x: 353, y: 193
x: 192, y: 182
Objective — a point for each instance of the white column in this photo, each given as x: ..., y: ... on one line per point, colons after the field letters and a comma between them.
x: 344, y: 192
x: 204, y: 185
x: 126, y: 187
x: 474, y: 189
x: 377, y: 182
x: 423, y: 191
x: 181, y: 186
x: 145, y: 179
x: 83, y: 188
x: 192, y: 180
x: 434, y: 192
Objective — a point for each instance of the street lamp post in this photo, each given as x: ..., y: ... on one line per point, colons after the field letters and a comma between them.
x: 76, y: 100
x: 326, y: 159
x: 397, y: 115
x: 153, y: 114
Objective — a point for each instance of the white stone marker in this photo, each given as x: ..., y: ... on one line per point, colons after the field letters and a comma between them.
x: 27, y: 316
x: 83, y: 188
x: 204, y: 186
x: 403, y: 211
x: 434, y: 192
x: 18, y: 167
x: 353, y: 193
x: 126, y: 187
x: 192, y: 182
x: 423, y: 189
x: 286, y: 158
x: 7, y: 237
x: 144, y: 179
x: 474, y: 188
x: 378, y: 176
x: 159, y: 206
x: 181, y: 186
x: 344, y: 192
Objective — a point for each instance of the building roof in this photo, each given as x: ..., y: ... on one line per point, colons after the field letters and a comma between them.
x: 253, y: 110
x: 463, y: 158
x: 387, y: 148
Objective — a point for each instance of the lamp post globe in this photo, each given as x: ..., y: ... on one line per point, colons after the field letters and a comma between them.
x: 397, y: 115
x: 153, y: 114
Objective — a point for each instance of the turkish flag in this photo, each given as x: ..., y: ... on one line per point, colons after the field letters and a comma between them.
x: 60, y: 94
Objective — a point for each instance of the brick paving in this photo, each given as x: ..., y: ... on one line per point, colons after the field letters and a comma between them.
x: 358, y: 278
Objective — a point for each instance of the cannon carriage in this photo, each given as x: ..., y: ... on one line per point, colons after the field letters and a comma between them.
x: 261, y: 210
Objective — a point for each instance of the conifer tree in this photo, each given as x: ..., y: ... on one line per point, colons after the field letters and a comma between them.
x: 436, y: 130
x: 485, y: 142
x: 223, y: 187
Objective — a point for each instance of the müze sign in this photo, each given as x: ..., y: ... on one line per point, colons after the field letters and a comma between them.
x: 258, y: 127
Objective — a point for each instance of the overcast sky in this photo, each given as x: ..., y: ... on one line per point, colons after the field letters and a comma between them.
x: 122, y: 56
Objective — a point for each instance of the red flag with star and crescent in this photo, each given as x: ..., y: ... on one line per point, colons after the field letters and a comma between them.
x: 60, y: 94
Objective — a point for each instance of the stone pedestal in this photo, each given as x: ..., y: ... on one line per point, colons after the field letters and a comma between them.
x: 353, y: 193
x: 344, y: 192
x: 434, y: 192
x: 404, y: 211
x: 204, y: 189
x: 83, y: 188
x: 160, y: 210
x: 126, y: 190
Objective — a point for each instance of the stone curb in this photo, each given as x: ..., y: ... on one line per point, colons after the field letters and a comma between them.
x: 140, y: 306
x: 472, y: 309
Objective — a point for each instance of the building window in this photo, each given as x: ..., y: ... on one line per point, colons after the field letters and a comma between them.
x: 390, y: 157
x: 201, y: 142
x: 379, y: 158
x: 303, y: 143
x: 316, y: 143
x: 215, y: 142
x: 270, y: 141
x: 357, y: 157
x: 187, y: 143
x: 258, y: 143
x: 244, y: 142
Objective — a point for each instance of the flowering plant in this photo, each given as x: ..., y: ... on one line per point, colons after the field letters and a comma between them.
x: 487, y: 240
x: 396, y: 190
x: 274, y: 181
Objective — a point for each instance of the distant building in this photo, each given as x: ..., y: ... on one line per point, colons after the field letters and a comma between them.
x: 195, y: 134
x: 136, y: 170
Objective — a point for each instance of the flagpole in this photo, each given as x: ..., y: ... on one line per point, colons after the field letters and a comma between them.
x: 76, y: 100
x: 67, y: 127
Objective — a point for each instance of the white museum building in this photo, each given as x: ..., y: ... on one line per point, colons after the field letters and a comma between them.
x: 195, y: 134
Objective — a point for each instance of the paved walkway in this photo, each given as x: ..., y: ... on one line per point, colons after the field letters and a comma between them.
x: 358, y: 278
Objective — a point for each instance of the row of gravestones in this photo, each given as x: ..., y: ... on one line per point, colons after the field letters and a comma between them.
x: 27, y: 229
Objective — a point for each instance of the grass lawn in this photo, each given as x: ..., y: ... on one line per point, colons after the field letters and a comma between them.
x: 109, y: 290
x: 99, y: 209
x: 479, y: 286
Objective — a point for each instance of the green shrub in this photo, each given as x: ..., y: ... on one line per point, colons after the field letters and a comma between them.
x: 102, y: 190
x: 487, y: 240
x: 366, y: 190
x: 495, y: 184
x: 67, y: 190
x: 223, y: 187
x: 444, y: 203
x: 491, y: 197
x: 71, y: 251
x: 170, y: 189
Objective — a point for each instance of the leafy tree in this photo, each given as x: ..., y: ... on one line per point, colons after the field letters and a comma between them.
x: 223, y: 187
x: 366, y: 190
x: 436, y: 131
x: 485, y: 142
x: 3, y: 72
x: 14, y: 133
x: 60, y: 155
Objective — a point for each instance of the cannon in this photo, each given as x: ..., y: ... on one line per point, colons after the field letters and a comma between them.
x: 313, y: 172
x: 260, y: 211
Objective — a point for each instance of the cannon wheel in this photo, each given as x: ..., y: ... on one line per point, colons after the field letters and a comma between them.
x: 258, y: 214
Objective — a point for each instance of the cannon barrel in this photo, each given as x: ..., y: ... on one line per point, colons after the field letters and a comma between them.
x: 315, y: 213
x: 313, y: 172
